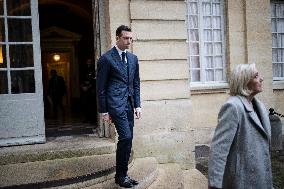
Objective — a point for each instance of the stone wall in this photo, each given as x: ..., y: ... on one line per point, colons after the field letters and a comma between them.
x: 160, y: 43
x: 176, y: 118
x: 248, y: 35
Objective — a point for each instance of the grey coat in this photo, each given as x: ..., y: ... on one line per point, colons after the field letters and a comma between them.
x: 240, y: 149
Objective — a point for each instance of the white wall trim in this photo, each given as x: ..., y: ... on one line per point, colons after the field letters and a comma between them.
x: 278, y: 85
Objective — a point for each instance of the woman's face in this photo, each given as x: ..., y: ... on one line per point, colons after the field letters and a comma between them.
x: 255, y: 83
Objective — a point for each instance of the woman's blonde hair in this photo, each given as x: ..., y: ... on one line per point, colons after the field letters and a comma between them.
x: 240, y: 77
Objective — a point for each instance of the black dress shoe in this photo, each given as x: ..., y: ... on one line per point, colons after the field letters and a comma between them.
x: 132, y: 181
x: 123, y: 182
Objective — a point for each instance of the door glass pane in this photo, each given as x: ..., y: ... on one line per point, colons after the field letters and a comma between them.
x: 219, y: 75
x: 21, y: 56
x: 195, y: 76
x: 3, y: 63
x: 280, y: 25
x: 216, y: 9
x: 195, y: 62
x: 22, y: 81
x: 217, y: 35
x: 280, y: 40
x: 194, y: 35
x: 281, y: 10
x: 18, y: 8
x: 193, y: 22
x: 209, y: 75
x: 2, y: 30
x: 207, y: 21
x: 278, y: 70
x: 218, y: 48
x: 20, y: 30
x: 275, y: 70
x: 274, y: 25
x: 1, y: 7
x: 194, y: 49
x: 273, y: 10
x: 280, y: 55
x: 206, y: 9
x: 208, y: 47
x: 274, y: 55
x: 193, y: 8
x: 209, y: 61
x: 274, y: 40
x: 218, y: 62
x: 3, y: 82
x: 207, y: 35
x: 216, y: 22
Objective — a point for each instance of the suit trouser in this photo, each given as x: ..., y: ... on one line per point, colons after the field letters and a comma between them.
x: 57, y: 102
x: 124, y: 126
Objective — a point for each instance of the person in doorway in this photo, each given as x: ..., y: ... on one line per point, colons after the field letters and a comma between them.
x: 118, y: 91
x: 240, y: 149
x: 88, y: 88
x: 56, y: 91
x: 16, y: 84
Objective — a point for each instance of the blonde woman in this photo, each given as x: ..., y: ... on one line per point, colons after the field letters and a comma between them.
x: 240, y: 149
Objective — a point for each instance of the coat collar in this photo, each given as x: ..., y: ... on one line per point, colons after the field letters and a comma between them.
x: 246, y: 104
x: 261, y: 121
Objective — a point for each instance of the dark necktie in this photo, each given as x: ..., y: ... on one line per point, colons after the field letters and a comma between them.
x: 123, y: 56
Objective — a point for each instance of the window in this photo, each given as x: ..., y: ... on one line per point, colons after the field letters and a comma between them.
x: 205, y: 21
x: 277, y: 20
x: 16, y: 48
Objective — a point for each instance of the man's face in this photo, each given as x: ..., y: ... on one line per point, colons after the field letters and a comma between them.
x: 124, y: 40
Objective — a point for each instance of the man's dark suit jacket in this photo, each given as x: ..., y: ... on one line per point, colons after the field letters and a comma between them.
x: 113, y: 86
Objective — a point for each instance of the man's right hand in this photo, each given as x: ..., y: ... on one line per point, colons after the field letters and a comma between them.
x: 105, y: 117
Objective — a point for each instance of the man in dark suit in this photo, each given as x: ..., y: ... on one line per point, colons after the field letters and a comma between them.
x: 118, y: 90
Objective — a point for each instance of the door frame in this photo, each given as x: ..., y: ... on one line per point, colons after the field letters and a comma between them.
x: 22, y: 115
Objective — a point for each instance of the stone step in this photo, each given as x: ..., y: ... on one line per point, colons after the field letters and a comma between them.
x: 194, y: 179
x: 170, y: 176
x: 60, y: 161
x: 144, y: 170
x: 57, y: 148
x: 44, y: 174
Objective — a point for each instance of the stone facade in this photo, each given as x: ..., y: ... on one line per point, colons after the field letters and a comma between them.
x: 175, y: 116
x: 160, y: 44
